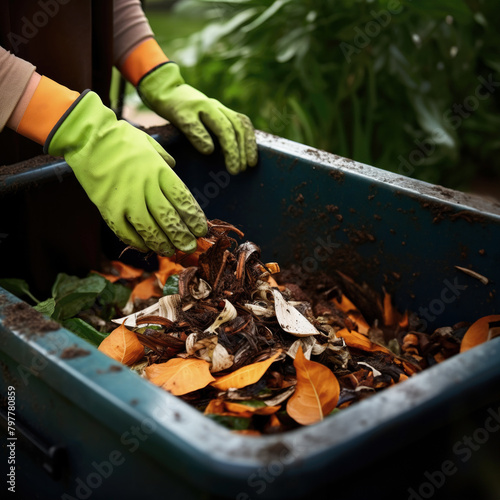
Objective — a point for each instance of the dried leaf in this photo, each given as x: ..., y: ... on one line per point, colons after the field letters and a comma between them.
x: 261, y: 309
x: 244, y: 376
x: 259, y: 410
x: 375, y: 372
x: 215, y: 407
x: 290, y: 319
x: 273, y: 283
x: 268, y: 269
x: 359, y: 322
x: 200, y: 290
x: 221, y: 359
x: 392, y: 316
x: 123, y: 346
x: 282, y: 396
x: 263, y: 291
x: 146, y: 289
x: 180, y: 376
x: 316, y: 393
x: 345, y: 305
x: 227, y: 314
x: 389, y: 313
x: 477, y: 333
x: 166, y: 307
x: 359, y: 341
x: 167, y: 268
x: 309, y: 346
x: 191, y: 259
x: 209, y: 349
x: 123, y: 271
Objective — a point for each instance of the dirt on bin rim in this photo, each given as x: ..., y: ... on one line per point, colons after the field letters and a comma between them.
x: 73, y: 352
x: 26, y: 165
x: 24, y: 319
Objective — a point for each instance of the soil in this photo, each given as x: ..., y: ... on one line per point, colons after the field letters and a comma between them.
x: 23, y: 318
x: 73, y: 352
x: 25, y: 166
x: 442, y: 212
x: 164, y: 131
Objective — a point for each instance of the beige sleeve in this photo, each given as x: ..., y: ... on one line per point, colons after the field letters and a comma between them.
x: 129, y: 28
x: 15, y: 74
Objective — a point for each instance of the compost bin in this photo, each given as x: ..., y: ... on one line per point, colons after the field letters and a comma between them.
x: 86, y: 427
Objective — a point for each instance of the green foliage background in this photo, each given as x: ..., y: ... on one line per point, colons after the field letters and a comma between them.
x: 386, y: 82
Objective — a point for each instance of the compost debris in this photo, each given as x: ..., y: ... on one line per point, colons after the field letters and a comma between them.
x: 261, y: 350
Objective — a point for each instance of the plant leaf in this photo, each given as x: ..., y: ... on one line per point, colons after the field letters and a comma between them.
x: 84, y: 330
x: 316, y: 393
x: 233, y: 423
x: 245, y: 375
x: 171, y: 286
x: 267, y: 14
x: 73, y: 294
x: 477, y: 333
x: 180, y: 375
x: 18, y: 287
x: 46, y: 307
x: 122, y: 345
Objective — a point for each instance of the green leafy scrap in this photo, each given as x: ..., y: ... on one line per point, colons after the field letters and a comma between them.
x: 18, y: 287
x: 172, y: 285
x: 84, y: 330
x: 72, y: 296
x: 233, y: 423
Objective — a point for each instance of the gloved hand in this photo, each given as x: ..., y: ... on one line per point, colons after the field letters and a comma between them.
x: 164, y: 91
x: 128, y: 176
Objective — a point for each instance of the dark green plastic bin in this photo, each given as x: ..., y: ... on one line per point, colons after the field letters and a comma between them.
x: 88, y: 428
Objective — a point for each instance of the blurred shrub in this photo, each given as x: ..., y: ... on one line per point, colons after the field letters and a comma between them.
x: 408, y: 86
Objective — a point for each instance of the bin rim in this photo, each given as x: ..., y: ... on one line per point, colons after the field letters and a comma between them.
x: 125, y: 399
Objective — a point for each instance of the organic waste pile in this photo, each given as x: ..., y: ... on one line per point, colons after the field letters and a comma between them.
x: 258, y: 349
x: 262, y: 350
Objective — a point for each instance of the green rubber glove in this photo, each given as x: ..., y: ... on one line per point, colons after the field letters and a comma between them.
x: 163, y: 90
x: 128, y: 176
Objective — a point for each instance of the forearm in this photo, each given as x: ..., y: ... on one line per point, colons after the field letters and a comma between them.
x: 130, y: 28
x: 22, y: 104
x: 30, y: 104
x: 17, y: 85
